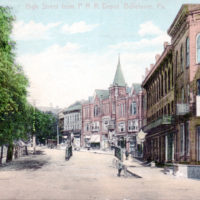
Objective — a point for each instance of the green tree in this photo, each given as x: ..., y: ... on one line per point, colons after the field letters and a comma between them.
x: 45, y: 125
x: 18, y: 118
x: 13, y: 84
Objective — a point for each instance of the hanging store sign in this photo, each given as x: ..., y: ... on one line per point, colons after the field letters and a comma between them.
x: 182, y: 108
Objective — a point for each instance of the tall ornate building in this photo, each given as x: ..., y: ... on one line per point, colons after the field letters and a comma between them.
x: 172, y: 88
x: 113, y: 116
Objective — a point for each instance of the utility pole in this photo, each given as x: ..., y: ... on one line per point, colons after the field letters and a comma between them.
x: 34, y: 137
x: 57, y: 134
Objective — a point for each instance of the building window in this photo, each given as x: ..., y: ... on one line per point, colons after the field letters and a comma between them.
x: 187, y: 52
x: 133, y: 125
x: 177, y: 63
x: 182, y: 59
x: 182, y: 138
x: 182, y: 95
x: 198, y: 48
x: 133, y: 108
x: 121, y: 127
x: 87, y: 127
x: 96, y: 110
x: 113, y: 108
x: 122, y: 110
x: 169, y: 79
x: 198, y: 87
x: 188, y: 93
x: 187, y: 138
x: 95, y: 126
x: 165, y: 82
x: 105, y: 124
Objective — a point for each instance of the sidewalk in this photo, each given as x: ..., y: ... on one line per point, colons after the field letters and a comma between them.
x: 98, y: 151
x: 135, y: 166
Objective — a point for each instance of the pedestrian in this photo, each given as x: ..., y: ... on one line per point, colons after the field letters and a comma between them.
x: 120, y: 166
x: 127, y: 154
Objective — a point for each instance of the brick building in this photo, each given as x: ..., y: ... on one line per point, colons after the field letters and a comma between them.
x: 159, y: 86
x: 113, y: 116
x: 173, y: 108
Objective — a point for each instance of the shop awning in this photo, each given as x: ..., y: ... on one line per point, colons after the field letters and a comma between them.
x: 95, y: 139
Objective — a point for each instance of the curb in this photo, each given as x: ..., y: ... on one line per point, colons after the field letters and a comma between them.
x: 133, y: 174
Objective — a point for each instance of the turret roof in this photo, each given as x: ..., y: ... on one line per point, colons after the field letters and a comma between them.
x: 119, y: 77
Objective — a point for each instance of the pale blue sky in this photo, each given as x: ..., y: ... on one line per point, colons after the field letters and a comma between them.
x: 67, y: 53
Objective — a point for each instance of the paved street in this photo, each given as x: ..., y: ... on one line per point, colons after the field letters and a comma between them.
x: 88, y: 176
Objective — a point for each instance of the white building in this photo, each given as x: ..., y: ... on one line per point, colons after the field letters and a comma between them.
x: 73, y: 123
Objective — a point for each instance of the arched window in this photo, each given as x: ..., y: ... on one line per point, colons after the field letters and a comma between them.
x: 187, y: 52
x: 169, y: 79
x: 182, y: 59
x: 198, y: 49
x: 165, y: 82
x: 177, y: 63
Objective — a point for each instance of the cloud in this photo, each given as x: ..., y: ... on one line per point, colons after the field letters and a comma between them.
x: 148, y: 28
x: 78, y: 27
x: 63, y: 74
x: 32, y: 30
x: 141, y: 44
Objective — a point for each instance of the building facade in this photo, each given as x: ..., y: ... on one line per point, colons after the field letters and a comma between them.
x: 113, y: 116
x: 73, y: 124
x: 173, y: 108
x: 160, y: 127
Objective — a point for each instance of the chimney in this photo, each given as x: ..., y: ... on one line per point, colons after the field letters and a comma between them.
x: 151, y: 66
x: 165, y: 44
x: 157, y: 57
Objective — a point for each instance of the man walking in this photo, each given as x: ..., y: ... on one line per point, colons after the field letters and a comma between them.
x: 126, y: 154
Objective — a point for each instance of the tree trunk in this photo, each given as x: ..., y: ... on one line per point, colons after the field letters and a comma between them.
x: 34, y: 144
x: 9, y: 153
x: 26, y: 150
x: 1, y: 157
